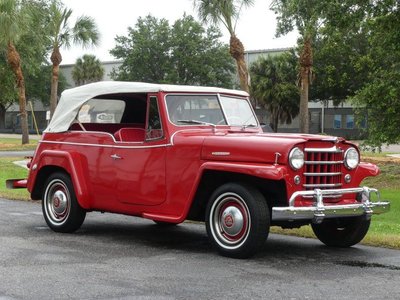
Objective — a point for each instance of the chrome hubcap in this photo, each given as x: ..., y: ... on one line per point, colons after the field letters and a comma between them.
x: 230, y: 221
x: 57, y: 202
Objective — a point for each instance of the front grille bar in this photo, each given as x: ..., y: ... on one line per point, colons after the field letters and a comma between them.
x: 324, y: 150
x: 323, y: 162
x: 323, y: 174
x: 322, y: 185
x: 323, y: 168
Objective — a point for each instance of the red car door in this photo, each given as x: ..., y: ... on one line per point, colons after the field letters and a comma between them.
x: 139, y: 161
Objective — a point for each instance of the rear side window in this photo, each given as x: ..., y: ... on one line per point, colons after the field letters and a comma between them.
x: 101, y: 111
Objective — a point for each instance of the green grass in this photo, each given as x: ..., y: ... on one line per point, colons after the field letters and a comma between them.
x: 8, y: 170
x: 12, y: 144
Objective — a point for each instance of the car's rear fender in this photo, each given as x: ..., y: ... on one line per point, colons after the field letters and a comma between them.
x: 50, y: 161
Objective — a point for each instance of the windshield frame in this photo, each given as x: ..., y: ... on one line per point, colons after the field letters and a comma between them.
x: 224, y: 113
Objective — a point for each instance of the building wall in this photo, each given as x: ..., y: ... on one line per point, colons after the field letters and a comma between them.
x: 12, y: 118
x: 108, y: 66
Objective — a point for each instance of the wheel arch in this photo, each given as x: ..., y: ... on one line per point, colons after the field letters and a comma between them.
x: 58, y: 161
x: 41, y: 178
x: 274, y: 191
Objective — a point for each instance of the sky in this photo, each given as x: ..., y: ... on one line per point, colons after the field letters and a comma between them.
x: 256, y: 26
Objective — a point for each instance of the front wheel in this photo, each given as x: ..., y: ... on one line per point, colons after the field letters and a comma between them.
x: 60, y: 207
x: 237, y: 220
x: 343, y: 232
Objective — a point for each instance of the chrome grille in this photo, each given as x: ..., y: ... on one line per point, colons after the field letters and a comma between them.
x: 323, y: 168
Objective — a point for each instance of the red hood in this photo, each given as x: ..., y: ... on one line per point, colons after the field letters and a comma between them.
x: 247, y: 146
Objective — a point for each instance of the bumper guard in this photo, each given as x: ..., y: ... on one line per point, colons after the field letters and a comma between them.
x: 320, y: 211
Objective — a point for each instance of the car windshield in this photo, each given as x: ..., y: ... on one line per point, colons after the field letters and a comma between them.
x: 209, y: 109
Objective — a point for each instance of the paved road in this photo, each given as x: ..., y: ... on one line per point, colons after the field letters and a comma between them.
x: 16, y: 153
x: 120, y: 257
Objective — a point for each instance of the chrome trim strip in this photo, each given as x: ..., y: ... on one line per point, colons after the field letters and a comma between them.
x: 319, y: 211
x: 107, y: 146
x: 220, y: 153
x: 323, y: 185
x: 333, y: 149
x: 323, y: 174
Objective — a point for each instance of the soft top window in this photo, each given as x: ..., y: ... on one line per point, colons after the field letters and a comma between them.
x: 101, y: 111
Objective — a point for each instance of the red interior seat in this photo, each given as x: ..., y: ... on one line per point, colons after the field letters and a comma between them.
x: 130, y: 135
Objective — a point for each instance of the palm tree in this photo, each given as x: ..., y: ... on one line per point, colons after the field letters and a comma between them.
x: 87, y: 69
x: 227, y: 12
x: 306, y: 74
x: 12, y: 27
x: 274, y: 85
x: 305, y: 15
x: 84, y: 32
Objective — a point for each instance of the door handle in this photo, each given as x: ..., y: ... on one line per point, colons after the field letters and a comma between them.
x: 115, y: 157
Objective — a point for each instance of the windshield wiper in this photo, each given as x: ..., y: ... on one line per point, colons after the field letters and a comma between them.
x: 248, y: 125
x: 194, y: 122
x: 198, y: 122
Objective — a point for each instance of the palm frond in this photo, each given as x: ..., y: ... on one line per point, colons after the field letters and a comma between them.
x: 85, y: 32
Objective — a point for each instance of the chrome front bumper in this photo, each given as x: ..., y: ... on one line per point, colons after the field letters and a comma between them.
x: 320, y: 211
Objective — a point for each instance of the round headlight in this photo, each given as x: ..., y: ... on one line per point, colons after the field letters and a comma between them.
x: 296, y: 158
x: 351, y: 158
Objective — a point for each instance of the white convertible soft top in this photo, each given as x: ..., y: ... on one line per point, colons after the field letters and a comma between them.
x: 72, y: 99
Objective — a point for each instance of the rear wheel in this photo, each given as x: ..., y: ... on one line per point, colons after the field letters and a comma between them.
x: 343, y: 232
x: 60, y: 207
x: 237, y: 220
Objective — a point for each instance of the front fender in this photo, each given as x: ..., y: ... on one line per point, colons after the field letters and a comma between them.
x: 71, y: 162
x: 364, y: 170
x: 271, y: 172
x: 367, y: 170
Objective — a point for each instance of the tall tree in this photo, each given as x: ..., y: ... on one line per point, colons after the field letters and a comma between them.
x: 198, y: 56
x: 12, y: 26
x: 84, y: 32
x: 87, y: 69
x: 7, y: 90
x: 145, y: 52
x: 273, y: 84
x: 305, y: 16
x: 380, y: 93
x: 357, y: 58
x: 184, y: 53
x: 227, y: 12
x: 340, y: 44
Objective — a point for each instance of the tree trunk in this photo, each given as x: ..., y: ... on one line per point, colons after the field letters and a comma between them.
x: 275, y: 120
x: 303, y: 113
x: 2, y: 116
x: 236, y: 50
x: 56, y: 59
x: 14, y: 61
x: 306, y: 63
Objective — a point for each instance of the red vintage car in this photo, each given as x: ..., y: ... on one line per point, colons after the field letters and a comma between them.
x: 172, y: 153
